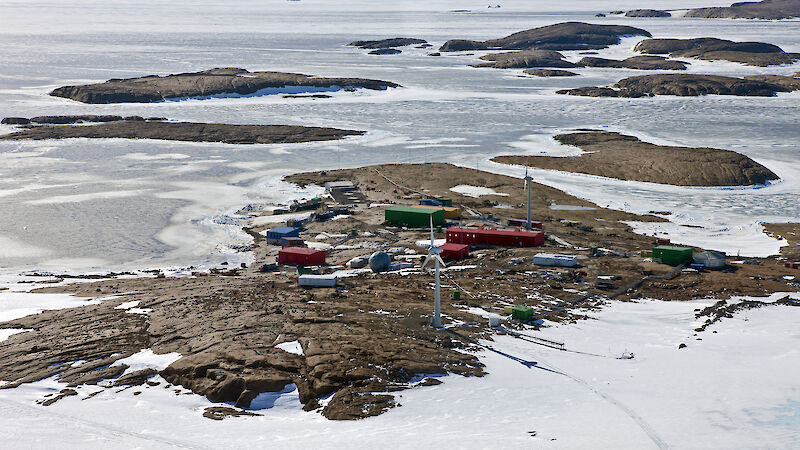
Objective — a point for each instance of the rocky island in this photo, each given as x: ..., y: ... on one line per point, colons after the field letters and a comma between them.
x: 689, y: 85
x: 560, y: 36
x: 647, y: 13
x: 550, y: 73
x: 634, y: 62
x: 712, y: 49
x: 387, y: 43
x: 766, y: 10
x: 184, y: 131
x: 207, y: 83
x: 524, y: 59
x: 615, y: 155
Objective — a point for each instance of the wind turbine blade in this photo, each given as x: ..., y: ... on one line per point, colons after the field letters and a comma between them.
x: 431, y: 217
x: 439, y: 258
x: 426, y: 261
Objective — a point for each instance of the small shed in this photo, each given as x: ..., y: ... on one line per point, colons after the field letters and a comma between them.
x: 414, y: 216
x: 672, y: 255
x: 313, y: 281
x: 454, y: 251
x: 552, y: 259
x: 275, y: 235
x: 445, y: 201
x: 301, y: 256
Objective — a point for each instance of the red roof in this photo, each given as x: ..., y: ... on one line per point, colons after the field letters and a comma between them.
x: 493, y: 231
x: 300, y: 251
x: 452, y: 247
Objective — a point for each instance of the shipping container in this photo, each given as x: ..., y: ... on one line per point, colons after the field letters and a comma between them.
x: 412, y: 216
x: 449, y: 211
x: 672, y: 255
x: 293, y: 242
x: 494, y: 236
x: 317, y: 280
x: 522, y: 313
x: 551, y: 259
x: 275, y: 235
x: 301, y: 256
x: 521, y: 223
x: 454, y: 251
x: 445, y: 201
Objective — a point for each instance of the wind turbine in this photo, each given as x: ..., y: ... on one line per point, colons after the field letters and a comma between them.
x: 433, y: 254
x: 528, y: 187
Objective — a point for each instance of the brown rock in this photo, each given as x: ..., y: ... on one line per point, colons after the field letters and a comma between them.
x: 766, y: 9
x: 750, y: 53
x: 527, y: 58
x: 634, y: 62
x: 550, y: 73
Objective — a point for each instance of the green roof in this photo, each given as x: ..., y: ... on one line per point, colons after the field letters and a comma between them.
x: 412, y: 209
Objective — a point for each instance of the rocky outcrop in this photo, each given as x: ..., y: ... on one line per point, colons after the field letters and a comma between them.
x: 561, y: 36
x: 63, y: 120
x: 750, y: 53
x: 185, y: 131
x: 388, y: 43
x: 647, y: 13
x: 634, y: 62
x: 550, y: 73
x: 207, y: 83
x: 524, y: 59
x: 688, y: 85
x: 789, y: 83
x: 624, y: 157
x: 767, y: 9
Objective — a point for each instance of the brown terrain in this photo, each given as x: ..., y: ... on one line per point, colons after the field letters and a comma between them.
x: 185, y: 131
x: 713, y: 49
x: 790, y: 232
x: 766, y: 9
x: 367, y: 339
x: 206, y: 83
x: 560, y: 36
x: 690, y: 85
x: 624, y: 157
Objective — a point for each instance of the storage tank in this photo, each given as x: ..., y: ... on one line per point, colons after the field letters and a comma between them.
x: 379, y: 261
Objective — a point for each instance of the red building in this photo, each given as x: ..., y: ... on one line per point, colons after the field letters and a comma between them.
x: 522, y: 223
x: 454, y: 251
x: 494, y: 236
x: 301, y: 256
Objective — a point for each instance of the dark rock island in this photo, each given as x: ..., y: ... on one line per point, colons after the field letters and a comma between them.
x: 526, y: 58
x: 634, y: 62
x: 207, y: 83
x: 688, y: 85
x: 561, y: 36
x: 624, y: 157
x: 750, y: 53
x: 550, y: 73
x: 185, y: 131
x: 767, y: 9
x: 647, y: 13
x: 387, y: 43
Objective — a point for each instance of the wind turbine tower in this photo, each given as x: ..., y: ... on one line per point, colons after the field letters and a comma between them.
x: 433, y: 254
x: 528, y: 187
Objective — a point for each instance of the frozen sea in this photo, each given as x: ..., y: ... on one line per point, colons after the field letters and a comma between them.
x: 105, y: 204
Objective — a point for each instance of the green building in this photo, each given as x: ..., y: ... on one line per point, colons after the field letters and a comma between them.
x: 410, y: 216
x: 672, y: 255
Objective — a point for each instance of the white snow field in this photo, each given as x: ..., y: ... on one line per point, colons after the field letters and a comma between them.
x: 735, y: 385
